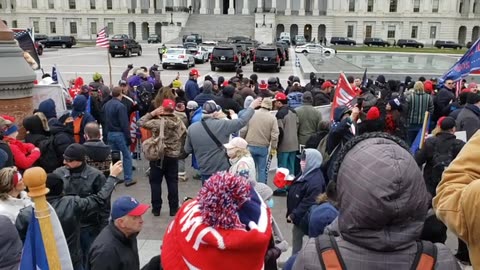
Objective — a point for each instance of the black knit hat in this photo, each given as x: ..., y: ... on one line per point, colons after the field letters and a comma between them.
x: 75, y: 152
x: 447, y: 123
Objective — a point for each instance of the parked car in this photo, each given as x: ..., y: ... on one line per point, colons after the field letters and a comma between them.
x: 375, y: 42
x: 178, y: 57
x: 196, y: 38
x: 60, y: 41
x: 209, y: 45
x: 342, y: 41
x: 315, y: 48
x: 40, y: 37
x: 124, y: 46
x: 409, y: 43
x: 299, y: 40
x: 266, y: 57
x: 153, y: 39
x: 244, y: 52
x: 225, y: 56
x: 286, y: 47
x: 200, y: 54
x: 447, y: 44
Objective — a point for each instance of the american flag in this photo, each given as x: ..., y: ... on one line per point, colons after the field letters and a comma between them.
x: 19, y: 33
x: 102, y: 40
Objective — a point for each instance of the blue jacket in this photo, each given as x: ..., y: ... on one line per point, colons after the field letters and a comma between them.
x: 295, y: 99
x: 191, y: 89
x: 321, y: 216
x: 117, y: 116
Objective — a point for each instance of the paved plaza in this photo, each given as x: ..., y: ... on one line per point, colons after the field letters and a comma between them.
x: 85, y: 61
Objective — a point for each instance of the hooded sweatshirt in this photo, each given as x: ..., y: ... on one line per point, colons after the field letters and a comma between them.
x: 47, y: 107
x: 383, y: 204
x: 79, y: 110
x: 11, y: 247
x: 37, y: 131
x: 206, y: 95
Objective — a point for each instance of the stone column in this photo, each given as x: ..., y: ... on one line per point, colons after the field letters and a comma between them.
x: 216, y: 10
x: 315, y: 11
x: 330, y: 8
x: 203, y: 7
x: 274, y: 6
x: 245, y: 10
x: 151, y: 7
x: 470, y: 9
x: 301, y: 11
x: 176, y: 3
x: 8, y: 6
x: 231, y: 7
x: 138, y: 7
x: 259, y: 6
x: 288, y: 8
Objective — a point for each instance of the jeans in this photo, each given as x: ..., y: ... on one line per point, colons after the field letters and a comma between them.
x: 297, y: 239
x: 117, y: 141
x: 260, y: 155
x: 167, y: 168
x: 287, y: 160
x: 87, y: 236
x: 412, y: 133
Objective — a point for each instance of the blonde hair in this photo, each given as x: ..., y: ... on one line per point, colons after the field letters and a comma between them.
x: 242, y: 152
x: 6, y: 183
x: 164, y: 93
x: 418, y: 87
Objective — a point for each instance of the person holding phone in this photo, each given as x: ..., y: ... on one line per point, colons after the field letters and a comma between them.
x: 98, y: 153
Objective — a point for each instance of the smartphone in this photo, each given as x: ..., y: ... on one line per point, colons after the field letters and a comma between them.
x: 116, y: 156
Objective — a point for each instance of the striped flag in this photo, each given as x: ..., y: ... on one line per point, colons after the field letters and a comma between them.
x: 458, y: 87
x: 102, y: 39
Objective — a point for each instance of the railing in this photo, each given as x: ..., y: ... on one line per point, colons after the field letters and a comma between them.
x: 177, y: 9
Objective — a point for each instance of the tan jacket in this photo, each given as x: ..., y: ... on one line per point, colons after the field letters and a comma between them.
x: 175, y: 132
x: 458, y: 196
x: 262, y: 129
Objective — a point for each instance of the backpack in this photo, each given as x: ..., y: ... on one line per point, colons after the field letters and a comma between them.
x: 145, y: 95
x: 331, y: 259
x: 77, y: 128
x: 48, y: 160
x: 322, y: 148
x: 442, y: 157
x: 154, y: 147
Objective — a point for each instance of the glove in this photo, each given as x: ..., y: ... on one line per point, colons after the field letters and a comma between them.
x: 283, y: 246
x: 273, y: 152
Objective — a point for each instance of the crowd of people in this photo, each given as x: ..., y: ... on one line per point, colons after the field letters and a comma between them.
x: 358, y: 188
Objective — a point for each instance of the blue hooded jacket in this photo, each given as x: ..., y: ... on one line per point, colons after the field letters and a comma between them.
x: 79, y: 108
x: 47, y: 107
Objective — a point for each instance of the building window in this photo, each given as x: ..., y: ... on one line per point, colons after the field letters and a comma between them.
x: 110, y: 28
x: 36, y: 27
x: 1, y: 5
x: 416, y: 6
x: 34, y: 4
x: 72, y: 4
x: 391, y: 31
x: 460, y: 7
x: 109, y: 4
x: 475, y: 7
x: 51, y: 4
x: 433, y: 32
x: 435, y: 5
x: 93, y: 4
x: 368, y: 31
x: 370, y: 6
x: 351, y: 5
x: 53, y: 28
x: 414, y: 31
x: 350, y: 31
x: 73, y: 27
x: 393, y: 5
x: 93, y: 28
x: 14, y: 24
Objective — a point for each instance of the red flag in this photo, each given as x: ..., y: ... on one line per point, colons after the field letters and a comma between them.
x: 344, y: 94
x: 133, y: 131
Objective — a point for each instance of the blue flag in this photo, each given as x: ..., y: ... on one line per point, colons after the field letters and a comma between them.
x: 416, y: 143
x: 34, y: 256
x: 54, y: 74
x: 469, y: 63
x: 365, y: 79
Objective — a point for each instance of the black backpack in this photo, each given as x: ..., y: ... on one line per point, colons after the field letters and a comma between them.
x: 48, y: 160
x: 145, y: 92
x: 442, y: 157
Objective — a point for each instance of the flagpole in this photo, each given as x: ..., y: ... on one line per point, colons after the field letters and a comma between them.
x: 35, y: 179
x: 109, y: 68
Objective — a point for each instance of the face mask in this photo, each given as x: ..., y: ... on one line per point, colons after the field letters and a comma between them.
x: 303, y: 163
x: 270, y: 203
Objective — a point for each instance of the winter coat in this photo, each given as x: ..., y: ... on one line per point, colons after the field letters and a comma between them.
x: 62, y: 138
x: 70, y: 209
x: 24, y: 154
x: 4, y: 146
x: 191, y: 89
x: 174, y: 132
x: 369, y: 100
x: 261, y: 130
x: 443, y: 141
x: 379, y: 223
x: 340, y: 132
x: 441, y: 102
x: 469, y: 120
x: 456, y: 203
x: 84, y: 183
x: 288, y: 129
x: 79, y: 110
x: 306, y: 188
x: 117, y: 116
x: 227, y: 101
x: 12, y: 206
x: 210, y: 157
x: 37, y: 130
x: 113, y: 250
x: 321, y: 216
x: 245, y: 92
x: 11, y: 247
x: 98, y: 155
x: 309, y: 122
x: 320, y: 98
x: 295, y: 99
x: 205, y: 95
x: 48, y: 108
x: 244, y: 166
x: 418, y: 104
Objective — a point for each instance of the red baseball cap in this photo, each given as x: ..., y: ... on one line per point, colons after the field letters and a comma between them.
x: 327, y: 84
x: 168, y: 104
x: 280, y: 96
x: 194, y: 72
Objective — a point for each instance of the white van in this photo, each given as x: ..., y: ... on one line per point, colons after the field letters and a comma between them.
x: 285, y: 36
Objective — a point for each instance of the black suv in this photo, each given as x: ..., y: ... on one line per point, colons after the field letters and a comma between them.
x: 123, y: 45
x: 40, y: 37
x: 266, y: 57
x: 62, y: 41
x: 225, y: 56
x: 342, y: 41
x: 409, y: 43
x: 447, y: 44
x: 375, y: 42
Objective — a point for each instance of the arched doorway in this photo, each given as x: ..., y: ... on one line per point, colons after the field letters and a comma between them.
x: 132, y: 30
x: 322, y: 30
x: 462, y: 35
x: 307, y: 32
x: 293, y: 31
x: 475, y: 33
x: 145, y: 31
x: 280, y: 29
x: 158, y: 30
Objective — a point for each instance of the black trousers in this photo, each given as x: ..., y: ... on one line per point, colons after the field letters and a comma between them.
x: 167, y: 168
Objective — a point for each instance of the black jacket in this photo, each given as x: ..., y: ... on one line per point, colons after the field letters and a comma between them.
x: 228, y: 103
x: 468, y: 120
x: 98, y: 155
x: 69, y: 209
x: 117, y: 116
x: 85, y: 183
x: 433, y: 145
x: 112, y: 250
x: 63, y: 138
x: 320, y: 98
x: 441, y: 102
x: 4, y: 146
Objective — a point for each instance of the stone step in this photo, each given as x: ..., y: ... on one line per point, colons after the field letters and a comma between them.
x: 219, y: 26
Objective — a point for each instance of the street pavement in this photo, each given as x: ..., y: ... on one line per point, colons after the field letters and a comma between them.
x: 75, y: 62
